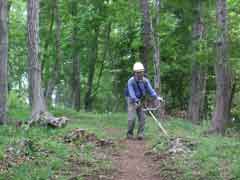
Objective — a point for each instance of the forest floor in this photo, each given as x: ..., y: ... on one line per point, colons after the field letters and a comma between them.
x: 93, y: 147
x: 133, y: 163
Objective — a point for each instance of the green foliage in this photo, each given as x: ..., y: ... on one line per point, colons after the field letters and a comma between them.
x: 16, y: 100
x: 234, y: 37
x: 17, y: 44
x: 236, y: 113
x: 209, y: 158
x: 121, y: 49
x: 213, y: 157
x: 49, y: 155
x: 117, y: 53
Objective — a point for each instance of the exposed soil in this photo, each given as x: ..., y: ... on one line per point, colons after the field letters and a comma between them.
x: 132, y: 163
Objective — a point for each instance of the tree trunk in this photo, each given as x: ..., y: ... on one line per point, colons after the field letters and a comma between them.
x: 198, y: 81
x: 76, y: 94
x: 38, y: 104
x: 156, y: 57
x: 56, y: 69
x: 197, y: 96
x: 221, y: 115
x: 47, y: 41
x: 233, y: 91
x: 104, y: 57
x: 156, y: 45
x: 3, y: 59
x: 146, y: 33
x: 58, y: 98
x: 39, y: 109
x: 93, y: 59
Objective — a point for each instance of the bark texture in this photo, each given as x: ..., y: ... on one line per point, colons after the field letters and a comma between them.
x: 39, y: 109
x: 146, y: 33
x: 93, y: 59
x: 221, y: 115
x: 38, y: 103
x: 3, y: 59
x: 57, y: 65
x: 156, y: 45
x: 198, y: 77
x: 76, y: 90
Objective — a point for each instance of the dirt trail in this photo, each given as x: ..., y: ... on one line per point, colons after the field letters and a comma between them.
x: 132, y: 164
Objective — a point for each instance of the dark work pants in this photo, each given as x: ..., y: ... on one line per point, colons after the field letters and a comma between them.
x: 133, y: 113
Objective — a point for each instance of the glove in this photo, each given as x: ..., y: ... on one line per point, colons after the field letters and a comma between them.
x: 160, y: 99
x: 137, y: 104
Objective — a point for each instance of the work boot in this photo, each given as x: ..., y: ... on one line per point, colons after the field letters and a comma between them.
x: 130, y: 136
x: 140, y: 137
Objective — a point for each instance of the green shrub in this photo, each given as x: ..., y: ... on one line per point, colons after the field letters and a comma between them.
x: 16, y: 100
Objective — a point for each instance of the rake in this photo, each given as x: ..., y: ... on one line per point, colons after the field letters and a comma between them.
x: 149, y: 110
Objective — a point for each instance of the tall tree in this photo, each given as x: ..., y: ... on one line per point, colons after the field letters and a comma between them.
x: 48, y: 37
x: 93, y: 53
x: 223, y: 75
x: 3, y: 59
x: 76, y: 94
x: 145, y: 51
x: 156, y: 45
x: 105, y: 57
x: 39, y: 108
x: 156, y: 54
x: 198, y: 80
x: 38, y: 103
x: 56, y: 68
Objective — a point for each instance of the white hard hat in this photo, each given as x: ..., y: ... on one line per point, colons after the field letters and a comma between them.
x: 138, y: 67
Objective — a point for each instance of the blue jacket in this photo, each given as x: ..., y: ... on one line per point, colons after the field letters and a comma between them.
x: 137, y: 89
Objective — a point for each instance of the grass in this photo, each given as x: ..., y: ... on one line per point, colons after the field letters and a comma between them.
x: 50, y: 154
x: 213, y: 157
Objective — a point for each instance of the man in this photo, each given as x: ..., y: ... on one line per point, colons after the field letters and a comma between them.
x: 138, y: 87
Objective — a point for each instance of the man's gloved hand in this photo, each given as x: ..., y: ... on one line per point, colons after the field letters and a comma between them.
x: 137, y: 104
x: 160, y: 99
